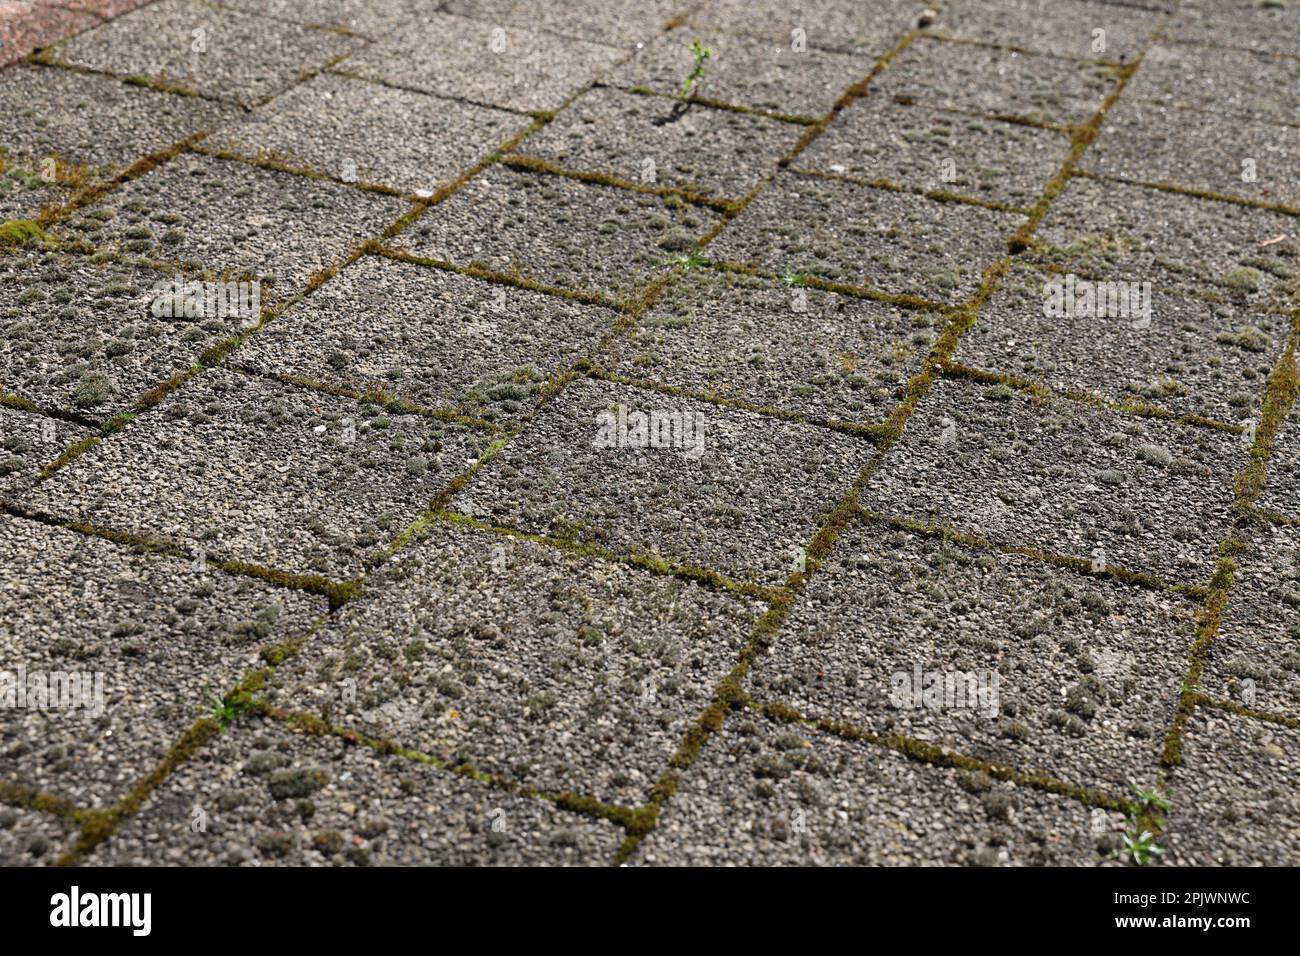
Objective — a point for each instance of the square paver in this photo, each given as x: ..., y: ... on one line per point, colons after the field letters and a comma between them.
x: 996, y: 81
x: 1266, y: 26
x: 613, y: 22
x: 1150, y: 143
x: 1052, y: 671
x: 363, y: 132
x: 1279, y: 493
x: 1189, y: 355
x: 212, y: 50
x: 1233, y: 802
x: 155, y: 642
x: 745, y: 71
x: 769, y: 794
x: 28, y: 443
x: 867, y: 28
x: 1062, y: 27
x: 933, y: 150
x: 767, y: 344
x: 1232, y: 84
x: 1255, y: 657
x: 1142, y: 494
x: 852, y: 234
x: 561, y: 232
x: 1113, y: 231
x: 543, y: 669
x: 33, y: 838
x: 265, y: 796
x: 92, y: 120
x: 209, y: 214
x: 371, y: 18
x: 435, y: 338
x: 657, y: 141
x: 493, y: 64
x: 24, y: 192
x: 730, y: 490
x: 240, y: 467
x: 79, y: 336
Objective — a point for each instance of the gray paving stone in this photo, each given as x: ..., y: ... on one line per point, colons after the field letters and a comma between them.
x: 562, y: 232
x: 1267, y: 26
x: 1073, y: 676
x: 96, y: 121
x: 868, y: 28
x: 1284, y: 469
x: 1061, y: 27
x: 157, y: 642
x: 23, y: 193
x: 30, y: 442
x: 544, y: 669
x: 1254, y: 659
x: 996, y: 81
x: 1233, y: 804
x: 745, y: 71
x: 506, y: 66
x: 853, y: 234
x: 363, y: 132
x: 1146, y: 142
x: 238, y: 467
x: 925, y: 149
x: 1115, y: 231
x: 32, y: 838
x: 271, y: 797
x: 742, y: 494
x: 768, y: 794
x: 613, y: 22
x: 657, y: 141
x: 239, y: 57
x: 821, y: 354
x: 79, y: 336
x: 371, y: 18
x: 1193, y: 357
x: 1142, y: 494
x: 1232, y: 84
x: 436, y: 338
x: 205, y: 213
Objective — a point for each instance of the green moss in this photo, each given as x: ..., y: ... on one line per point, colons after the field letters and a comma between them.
x: 18, y: 232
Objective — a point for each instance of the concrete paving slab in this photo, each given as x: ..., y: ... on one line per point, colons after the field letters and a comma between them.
x: 1230, y: 805
x: 934, y: 150
x: 207, y: 49
x: 621, y: 23
x: 1188, y: 355
x: 80, y: 336
x: 32, y: 838
x: 435, y: 338
x: 658, y: 141
x: 247, y: 469
x: 28, y: 443
x: 1066, y: 477
x: 771, y: 345
x: 544, y: 669
x: 575, y: 235
x: 1068, y: 28
x: 990, y: 80
x: 1266, y: 26
x: 725, y: 489
x: 506, y: 66
x: 1150, y: 143
x: 207, y: 214
x: 844, y: 232
x: 995, y: 656
x: 362, y: 132
x: 745, y: 71
x: 1232, y: 84
x: 270, y: 797
x: 767, y: 794
x: 866, y: 28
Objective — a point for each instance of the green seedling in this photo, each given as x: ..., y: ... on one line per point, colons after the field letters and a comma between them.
x: 701, y: 53
x: 688, y: 260
x: 1139, y: 849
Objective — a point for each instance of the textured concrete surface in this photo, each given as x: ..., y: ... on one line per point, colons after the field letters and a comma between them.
x: 662, y: 435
